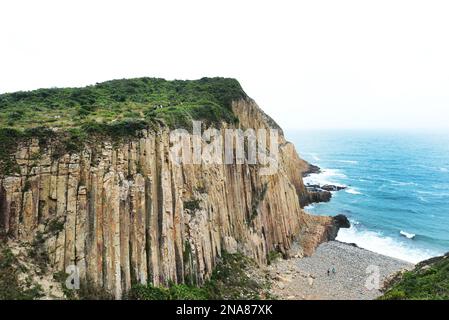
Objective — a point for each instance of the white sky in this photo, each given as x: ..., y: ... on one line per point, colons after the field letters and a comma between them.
x: 309, y: 64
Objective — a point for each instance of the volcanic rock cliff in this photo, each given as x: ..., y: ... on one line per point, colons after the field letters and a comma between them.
x: 126, y: 213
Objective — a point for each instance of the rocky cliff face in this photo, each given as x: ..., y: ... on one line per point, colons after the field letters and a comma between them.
x: 126, y: 214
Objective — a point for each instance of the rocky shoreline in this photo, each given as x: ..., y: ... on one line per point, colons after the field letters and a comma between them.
x: 335, y: 270
x: 354, y: 274
x: 315, y: 192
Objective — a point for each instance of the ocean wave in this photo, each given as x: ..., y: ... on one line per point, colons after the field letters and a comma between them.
x: 354, y: 222
x: 407, y: 234
x: 432, y: 168
x: 433, y: 193
x: 441, y: 186
x: 353, y: 191
x: 314, y: 156
x: 347, y: 161
x: 326, y: 176
x: 422, y: 199
x: 402, y: 183
x: 388, y: 246
x: 309, y: 207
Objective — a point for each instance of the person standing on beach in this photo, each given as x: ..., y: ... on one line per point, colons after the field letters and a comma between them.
x: 333, y: 270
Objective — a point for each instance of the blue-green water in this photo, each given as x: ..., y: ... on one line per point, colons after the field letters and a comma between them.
x: 397, y: 181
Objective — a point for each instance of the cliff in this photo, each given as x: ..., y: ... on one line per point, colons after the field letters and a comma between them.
x: 124, y: 213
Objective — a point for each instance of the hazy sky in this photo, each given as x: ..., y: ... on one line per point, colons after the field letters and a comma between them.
x: 309, y: 64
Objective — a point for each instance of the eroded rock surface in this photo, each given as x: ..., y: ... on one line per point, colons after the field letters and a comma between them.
x: 126, y: 214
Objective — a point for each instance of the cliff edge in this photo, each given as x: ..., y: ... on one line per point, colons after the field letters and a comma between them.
x: 105, y: 196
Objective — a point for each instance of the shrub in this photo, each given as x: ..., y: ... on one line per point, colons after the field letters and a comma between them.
x: 229, y: 281
x: 173, y: 292
x: 14, y: 116
x: 428, y: 281
x: 192, y: 205
x: 272, y: 256
x: 149, y: 292
x: 10, y: 286
x: 38, y: 251
x: 258, y: 197
x: 54, y: 226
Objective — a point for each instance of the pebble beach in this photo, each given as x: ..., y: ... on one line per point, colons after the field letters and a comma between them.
x: 336, y: 271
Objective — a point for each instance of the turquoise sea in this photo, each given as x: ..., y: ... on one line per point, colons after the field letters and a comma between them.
x: 397, y: 195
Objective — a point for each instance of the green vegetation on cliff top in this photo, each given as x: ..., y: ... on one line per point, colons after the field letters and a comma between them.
x: 428, y: 281
x: 114, y: 110
x: 172, y: 102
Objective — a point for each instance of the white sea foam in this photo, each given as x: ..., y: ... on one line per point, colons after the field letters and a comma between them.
x: 444, y: 169
x: 353, y: 191
x: 326, y: 176
x: 376, y: 242
x: 402, y: 183
x: 433, y: 193
x: 347, y: 161
x: 407, y: 234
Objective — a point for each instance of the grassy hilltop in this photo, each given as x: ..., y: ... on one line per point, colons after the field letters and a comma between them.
x: 113, y: 110
x: 119, y: 100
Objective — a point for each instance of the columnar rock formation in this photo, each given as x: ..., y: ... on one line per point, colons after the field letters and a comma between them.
x: 126, y: 214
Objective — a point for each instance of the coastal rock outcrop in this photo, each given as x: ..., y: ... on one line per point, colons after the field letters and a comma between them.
x: 339, y: 222
x: 310, y: 169
x: 319, y: 229
x: 126, y: 214
x: 319, y: 193
x: 316, y: 196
